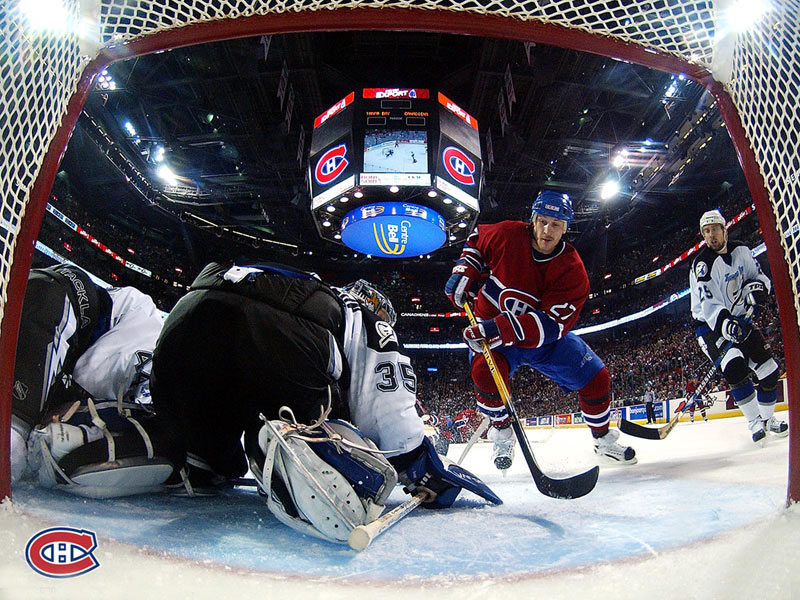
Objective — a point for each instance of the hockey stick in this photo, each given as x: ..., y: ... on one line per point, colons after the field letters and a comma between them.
x: 659, y: 433
x: 362, y: 536
x: 476, y: 435
x: 571, y: 487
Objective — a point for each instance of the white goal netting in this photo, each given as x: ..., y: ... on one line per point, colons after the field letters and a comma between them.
x: 45, y: 45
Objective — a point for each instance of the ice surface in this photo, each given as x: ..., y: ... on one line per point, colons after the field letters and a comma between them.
x: 701, y: 516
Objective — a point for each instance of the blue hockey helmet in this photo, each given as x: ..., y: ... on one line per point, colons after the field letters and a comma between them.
x: 371, y: 297
x: 552, y: 204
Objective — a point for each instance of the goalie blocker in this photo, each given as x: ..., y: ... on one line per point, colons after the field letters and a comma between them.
x: 328, y: 479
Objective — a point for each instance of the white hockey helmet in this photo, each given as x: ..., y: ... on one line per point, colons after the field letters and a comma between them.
x: 712, y: 217
x: 371, y: 297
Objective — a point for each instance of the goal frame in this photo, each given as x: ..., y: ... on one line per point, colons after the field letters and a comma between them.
x: 387, y: 19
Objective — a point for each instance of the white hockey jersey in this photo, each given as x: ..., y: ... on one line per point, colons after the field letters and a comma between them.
x: 383, y: 386
x: 716, y: 281
x: 120, y: 359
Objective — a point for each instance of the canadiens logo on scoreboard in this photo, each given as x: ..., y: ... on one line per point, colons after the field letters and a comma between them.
x: 62, y: 552
x: 458, y: 165
x: 331, y: 164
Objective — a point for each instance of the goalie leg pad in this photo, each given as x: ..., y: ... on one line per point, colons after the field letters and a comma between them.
x: 313, y: 496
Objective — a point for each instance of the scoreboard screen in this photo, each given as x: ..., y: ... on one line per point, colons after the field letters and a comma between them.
x: 413, y: 153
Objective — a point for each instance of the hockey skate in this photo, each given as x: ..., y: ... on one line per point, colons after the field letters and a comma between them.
x: 503, y: 450
x: 608, y: 448
x: 776, y: 427
x: 756, y: 427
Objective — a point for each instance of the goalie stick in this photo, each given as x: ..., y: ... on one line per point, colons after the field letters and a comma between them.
x: 568, y: 488
x: 362, y: 536
x: 659, y: 433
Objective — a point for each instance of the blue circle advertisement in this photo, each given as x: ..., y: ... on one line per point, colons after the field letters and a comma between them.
x: 393, y: 229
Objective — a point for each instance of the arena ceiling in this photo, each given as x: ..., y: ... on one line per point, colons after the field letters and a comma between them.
x: 216, y: 112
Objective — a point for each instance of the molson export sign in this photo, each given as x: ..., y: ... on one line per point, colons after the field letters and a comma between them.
x: 393, y: 229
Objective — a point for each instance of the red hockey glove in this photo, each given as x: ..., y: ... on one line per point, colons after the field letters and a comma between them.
x: 463, y: 284
x: 495, y: 332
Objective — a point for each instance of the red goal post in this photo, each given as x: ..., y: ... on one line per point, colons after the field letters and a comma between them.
x: 46, y: 72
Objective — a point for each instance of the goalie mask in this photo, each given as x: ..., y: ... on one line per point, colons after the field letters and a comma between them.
x: 323, y: 481
x: 371, y: 297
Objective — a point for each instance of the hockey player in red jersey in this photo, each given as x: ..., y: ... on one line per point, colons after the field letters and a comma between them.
x: 528, y: 286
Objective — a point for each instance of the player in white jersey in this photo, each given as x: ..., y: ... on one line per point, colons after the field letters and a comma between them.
x: 276, y: 354
x: 77, y: 342
x: 725, y: 280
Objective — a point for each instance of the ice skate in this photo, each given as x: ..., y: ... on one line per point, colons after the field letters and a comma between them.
x: 776, y: 427
x: 756, y: 427
x: 608, y: 448
x: 503, y: 450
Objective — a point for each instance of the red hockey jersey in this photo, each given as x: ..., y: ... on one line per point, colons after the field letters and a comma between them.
x: 541, y: 294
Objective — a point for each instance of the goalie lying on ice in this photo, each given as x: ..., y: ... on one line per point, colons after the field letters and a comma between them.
x: 256, y: 351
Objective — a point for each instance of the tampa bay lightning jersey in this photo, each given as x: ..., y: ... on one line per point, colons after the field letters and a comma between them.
x: 383, y: 387
x: 716, y: 281
x: 119, y: 361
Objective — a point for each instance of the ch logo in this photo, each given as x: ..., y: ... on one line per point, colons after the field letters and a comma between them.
x: 62, y: 552
x: 458, y: 165
x: 331, y: 165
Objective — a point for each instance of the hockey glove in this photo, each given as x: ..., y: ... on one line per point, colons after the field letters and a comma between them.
x: 735, y: 330
x: 755, y: 294
x: 463, y: 284
x: 495, y: 332
x: 441, y: 478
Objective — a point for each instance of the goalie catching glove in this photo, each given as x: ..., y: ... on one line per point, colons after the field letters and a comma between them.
x: 423, y: 470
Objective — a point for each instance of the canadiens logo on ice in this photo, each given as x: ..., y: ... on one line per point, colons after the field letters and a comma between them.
x: 458, y: 165
x: 331, y: 165
x: 62, y: 552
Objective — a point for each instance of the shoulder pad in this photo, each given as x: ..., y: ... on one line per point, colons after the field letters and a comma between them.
x: 701, y: 265
x: 380, y: 335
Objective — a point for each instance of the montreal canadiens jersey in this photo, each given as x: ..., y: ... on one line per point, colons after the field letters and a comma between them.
x: 716, y: 280
x: 542, y: 294
x: 120, y: 360
x: 383, y: 387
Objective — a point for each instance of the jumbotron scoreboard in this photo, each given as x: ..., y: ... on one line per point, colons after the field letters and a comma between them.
x: 395, y: 172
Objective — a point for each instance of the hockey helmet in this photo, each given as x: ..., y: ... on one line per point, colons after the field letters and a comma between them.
x: 552, y: 204
x: 712, y: 217
x: 371, y: 297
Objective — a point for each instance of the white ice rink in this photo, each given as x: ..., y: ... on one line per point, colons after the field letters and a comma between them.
x: 404, y: 158
x: 701, y: 516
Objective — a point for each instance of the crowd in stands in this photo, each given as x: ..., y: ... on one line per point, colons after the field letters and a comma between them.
x: 660, y: 350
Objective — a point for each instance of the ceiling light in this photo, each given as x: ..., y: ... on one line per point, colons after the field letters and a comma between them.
x: 358, y: 194
x: 618, y: 161
x: 460, y: 209
x: 167, y: 175
x: 344, y: 199
x: 337, y: 236
x: 609, y: 190
x: 330, y: 208
x: 432, y: 193
x: 462, y: 225
x: 447, y: 201
x: 394, y: 189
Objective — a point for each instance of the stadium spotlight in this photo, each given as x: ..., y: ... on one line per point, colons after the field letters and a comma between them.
x: 394, y: 189
x: 609, y: 189
x: 432, y: 193
x: 167, y: 175
x: 358, y: 194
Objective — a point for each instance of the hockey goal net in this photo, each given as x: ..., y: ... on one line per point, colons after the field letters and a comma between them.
x: 51, y: 51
